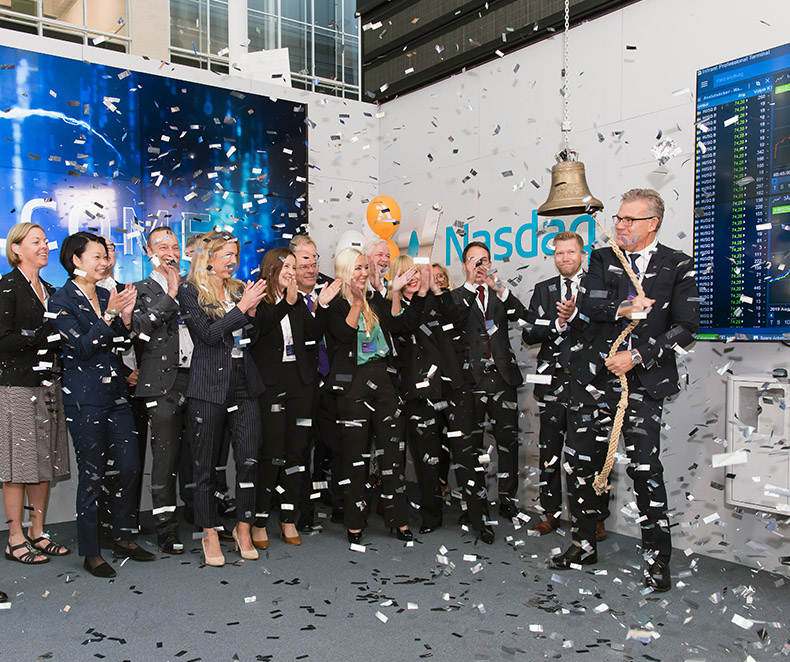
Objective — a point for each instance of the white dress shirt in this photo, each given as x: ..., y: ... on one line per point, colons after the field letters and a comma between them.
x: 185, y: 344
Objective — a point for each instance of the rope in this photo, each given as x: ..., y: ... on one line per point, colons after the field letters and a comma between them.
x: 601, y: 480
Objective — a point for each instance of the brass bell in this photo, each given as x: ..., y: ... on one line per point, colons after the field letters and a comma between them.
x: 569, y: 193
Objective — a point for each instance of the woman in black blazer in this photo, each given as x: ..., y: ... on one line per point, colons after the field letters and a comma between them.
x: 33, y: 442
x: 224, y: 384
x: 286, y: 354
x: 358, y: 327
x: 90, y: 320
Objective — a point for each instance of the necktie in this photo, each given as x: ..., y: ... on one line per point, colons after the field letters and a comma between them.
x: 323, y: 357
x: 568, y: 290
x: 309, y: 301
x: 631, y: 288
x: 481, y: 297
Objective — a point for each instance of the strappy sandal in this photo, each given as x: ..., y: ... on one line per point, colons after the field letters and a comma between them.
x: 51, y: 549
x: 28, y: 558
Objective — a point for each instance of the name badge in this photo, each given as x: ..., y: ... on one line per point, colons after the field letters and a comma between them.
x: 368, y: 347
x: 489, y: 325
x: 289, y: 350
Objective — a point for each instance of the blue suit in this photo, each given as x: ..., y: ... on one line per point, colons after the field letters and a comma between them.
x: 97, y: 412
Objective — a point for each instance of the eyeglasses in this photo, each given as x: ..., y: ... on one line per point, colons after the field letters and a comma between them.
x: 307, y: 267
x: 627, y: 221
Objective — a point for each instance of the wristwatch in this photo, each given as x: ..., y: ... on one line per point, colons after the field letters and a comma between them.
x: 636, y: 357
x: 108, y: 318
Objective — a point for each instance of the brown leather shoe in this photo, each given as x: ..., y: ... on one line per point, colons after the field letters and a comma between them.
x: 547, y: 525
x: 600, y: 532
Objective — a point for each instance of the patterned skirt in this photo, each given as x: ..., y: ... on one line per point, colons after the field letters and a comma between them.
x: 34, y: 445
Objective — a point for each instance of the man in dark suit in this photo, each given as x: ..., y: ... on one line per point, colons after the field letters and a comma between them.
x: 325, y: 442
x: 553, y: 321
x: 486, y: 308
x: 165, y: 350
x: 669, y: 320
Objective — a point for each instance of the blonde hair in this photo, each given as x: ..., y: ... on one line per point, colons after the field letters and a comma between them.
x: 16, y: 235
x: 200, y: 275
x: 400, y: 264
x: 301, y: 240
x: 345, y: 261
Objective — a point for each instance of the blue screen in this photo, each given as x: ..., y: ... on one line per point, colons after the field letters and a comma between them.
x: 90, y: 147
x: 742, y: 197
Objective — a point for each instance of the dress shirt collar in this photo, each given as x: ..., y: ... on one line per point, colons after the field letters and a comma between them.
x: 160, y: 279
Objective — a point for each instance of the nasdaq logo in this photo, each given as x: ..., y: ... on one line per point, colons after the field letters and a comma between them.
x: 523, y: 241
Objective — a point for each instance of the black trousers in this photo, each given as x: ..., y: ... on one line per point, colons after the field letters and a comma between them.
x: 589, y: 426
x: 428, y: 426
x: 495, y: 398
x: 170, y: 432
x: 241, y: 415
x: 372, y: 402
x: 286, y: 410
x: 104, y: 437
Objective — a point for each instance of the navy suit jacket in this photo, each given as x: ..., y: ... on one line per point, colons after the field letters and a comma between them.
x: 211, y: 367
x: 673, y: 319
x: 92, y: 373
x: 555, y: 347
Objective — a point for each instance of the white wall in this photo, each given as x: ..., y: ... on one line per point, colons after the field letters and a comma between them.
x: 347, y: 165
x: 612, y: 90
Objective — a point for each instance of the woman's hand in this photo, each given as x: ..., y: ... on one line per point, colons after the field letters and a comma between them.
x: 427, y: 282
x: 252, y: 296
x: 291, y: 292
x: 402, y: 279
x: 122, y: 303
x: 329, y: 292
x: 357, y: 293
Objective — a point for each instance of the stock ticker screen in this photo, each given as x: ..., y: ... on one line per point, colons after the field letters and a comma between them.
x: 742, y: 197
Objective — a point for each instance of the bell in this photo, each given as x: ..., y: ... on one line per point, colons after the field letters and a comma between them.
x: 569, y: 193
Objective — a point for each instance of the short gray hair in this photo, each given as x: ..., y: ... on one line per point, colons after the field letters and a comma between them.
x: 655, y: 203
x: 372, y: 244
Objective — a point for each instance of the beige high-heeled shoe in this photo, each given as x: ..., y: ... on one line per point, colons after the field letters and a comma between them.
x: 215, y: 561
x: 249, y: 554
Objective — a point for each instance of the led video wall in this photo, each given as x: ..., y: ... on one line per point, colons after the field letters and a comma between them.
x: 85, y: 146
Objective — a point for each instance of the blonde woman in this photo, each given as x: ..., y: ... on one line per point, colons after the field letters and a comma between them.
x: 358, y: 327
x: 442, y: 276
x: 33, y: 444
x: 224, y: 384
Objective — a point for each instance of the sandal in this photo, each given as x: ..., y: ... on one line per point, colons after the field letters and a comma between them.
x: 28, y: 558
x: 51, y: 548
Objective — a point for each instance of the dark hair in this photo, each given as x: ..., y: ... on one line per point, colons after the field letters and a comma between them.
x: 74, y: 246
x: 161, y: 228
x: 271, y: 266
x: 473, y: 244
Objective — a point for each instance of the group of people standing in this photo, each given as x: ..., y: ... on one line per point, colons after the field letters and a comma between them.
x: 318, y: 384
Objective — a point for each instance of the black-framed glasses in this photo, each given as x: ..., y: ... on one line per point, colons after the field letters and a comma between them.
x: 627, y: 221
x: 307, y: 267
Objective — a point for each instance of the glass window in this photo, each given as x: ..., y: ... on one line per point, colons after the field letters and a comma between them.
x: 351, y: 61
x: 350, y: 23
x: 29, y: 7
x: 262, y: 31
x: 218, y: 26
x: 327, y: 53
x: 269, y: 6
x: 68, y: 12
x: 299, y: 10
x: 106, y: 15
x: 296, y: 38
x: 188, y: 24
x: 326, y: 13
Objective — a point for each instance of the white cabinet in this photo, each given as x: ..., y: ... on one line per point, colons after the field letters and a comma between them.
x: 758, y: 423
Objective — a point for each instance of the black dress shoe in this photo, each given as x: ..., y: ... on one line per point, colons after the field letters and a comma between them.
x: 103, y: 571
x: 305, y: 523
x: 573, y: 555
x: 658, y: 577
x: 464, y: 518
x: 508, y: 509
x: 135, y: 553
x: 3, y: 597
x: 354, y: 538
x: 404, y: 534
x: 338, y: 515
x: 171, y: 546
x: 487, y: 535
x: 430, y: 528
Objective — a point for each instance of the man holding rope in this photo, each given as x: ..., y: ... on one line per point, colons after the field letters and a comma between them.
x: 642, y: 303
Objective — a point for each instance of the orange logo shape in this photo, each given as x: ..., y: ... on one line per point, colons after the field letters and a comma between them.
x: 384, y: 216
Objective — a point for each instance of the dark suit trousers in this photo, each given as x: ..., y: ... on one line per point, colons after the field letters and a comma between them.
x: 168, y: 420
x: 286, y: 408
x: 588, y: 438
x: 330, y: 444
x: 241, y: 415
x: 494, y: 397
x: 371, y: 402
x: 424, y: 425
x: 99, y: 433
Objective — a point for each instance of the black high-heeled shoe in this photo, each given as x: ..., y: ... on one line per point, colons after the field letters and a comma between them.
x: 354, y: 537
x: 402, y: 534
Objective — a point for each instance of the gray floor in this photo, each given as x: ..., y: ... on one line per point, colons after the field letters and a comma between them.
x: 322, y: 601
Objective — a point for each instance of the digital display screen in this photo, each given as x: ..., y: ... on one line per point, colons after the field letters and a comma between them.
x: 85, y: 146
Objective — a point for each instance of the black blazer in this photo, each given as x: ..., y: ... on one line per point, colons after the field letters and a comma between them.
x: 268, y: 349
x: 342, y: 338
x: 92, y: 373
x: 673, y: 319
x: 555, y: 347
x: 209, y: 372
x: 434, y: 343
x: 476, y: 339
x: 155, y: 316
x: 24, y: 332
